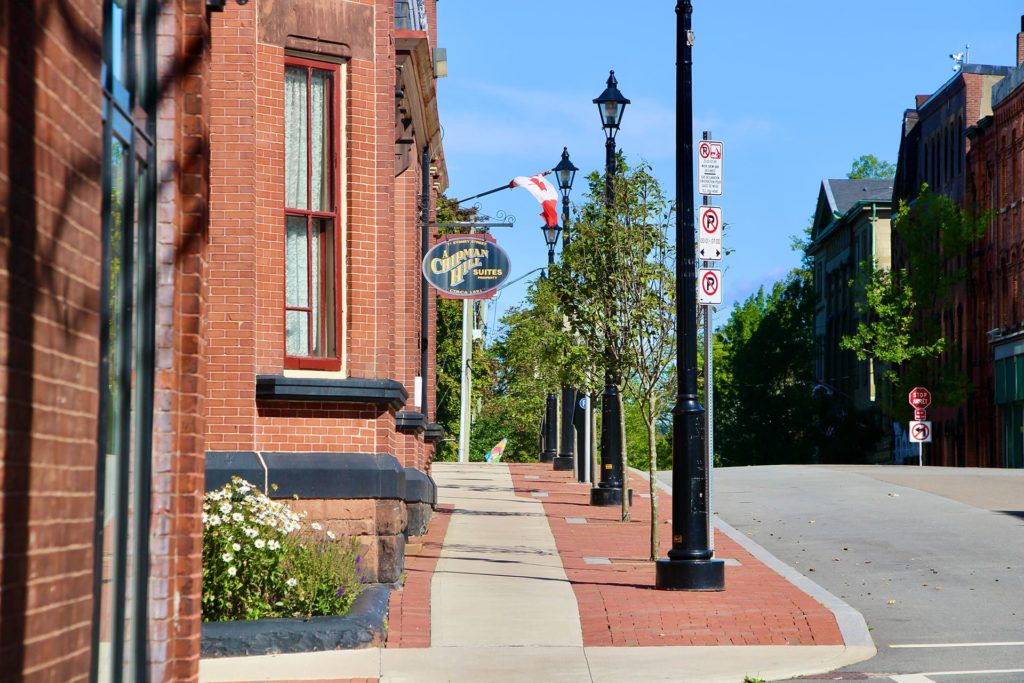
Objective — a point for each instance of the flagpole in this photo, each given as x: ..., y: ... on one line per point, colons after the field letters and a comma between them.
x: 497, y: 189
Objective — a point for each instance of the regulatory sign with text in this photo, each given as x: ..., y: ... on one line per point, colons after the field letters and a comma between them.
x: 709, y: 167
x: 920, y: 398
x: 709, y: 286
x: 920, y: 414
x: 920, y: 432
x: 709, y: 233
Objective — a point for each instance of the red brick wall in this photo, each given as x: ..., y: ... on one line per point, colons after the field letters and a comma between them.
x: 182, y: 148
x: 381, y: 307
x: 50, y: 251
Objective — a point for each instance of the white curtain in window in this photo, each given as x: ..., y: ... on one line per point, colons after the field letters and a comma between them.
x: 315, y: 285
x: 320, y: 139
x: 295, y: 139
x: 296, y: 283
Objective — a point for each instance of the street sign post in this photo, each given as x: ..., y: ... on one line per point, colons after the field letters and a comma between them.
x: 709, y: 233
x: 709, y: 167
x: 920, y: 398
x: 920, y: 433
x: 709, y: 286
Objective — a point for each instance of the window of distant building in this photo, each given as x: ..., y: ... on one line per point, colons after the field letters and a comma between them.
x: 312, y: 234
x: 126, y: 341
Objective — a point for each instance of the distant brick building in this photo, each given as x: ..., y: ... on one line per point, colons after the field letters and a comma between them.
x: 940, y: 146
x: 995, y: 168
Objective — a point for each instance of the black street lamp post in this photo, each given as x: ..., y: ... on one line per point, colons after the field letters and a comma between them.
x: 565, y: 173
x: 610, y: 105
x: 551, y: 405
x: 690, y: 564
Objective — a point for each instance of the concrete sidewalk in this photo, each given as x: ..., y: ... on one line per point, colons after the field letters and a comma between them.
x: 534, y: 584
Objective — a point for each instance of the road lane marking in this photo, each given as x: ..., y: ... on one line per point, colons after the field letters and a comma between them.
x: 1011, y: 643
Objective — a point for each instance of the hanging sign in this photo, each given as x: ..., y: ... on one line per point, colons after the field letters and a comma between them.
x: 709, y: 233
x: 466, y: 266
x: 709, y: 286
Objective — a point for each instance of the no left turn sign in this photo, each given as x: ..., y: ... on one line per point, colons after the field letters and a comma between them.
x: 920, y: 432
x: 709, y: 286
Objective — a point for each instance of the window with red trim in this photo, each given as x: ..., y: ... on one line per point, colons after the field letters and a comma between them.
x: 311, y: 234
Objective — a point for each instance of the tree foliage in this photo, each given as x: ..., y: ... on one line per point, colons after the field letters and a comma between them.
x: 868, y: 166
x: 902, y: 311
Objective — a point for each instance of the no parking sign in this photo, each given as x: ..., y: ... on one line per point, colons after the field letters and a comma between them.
x: 709, y: 286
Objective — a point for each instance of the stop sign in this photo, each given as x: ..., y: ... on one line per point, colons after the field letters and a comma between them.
x: 920, y: 398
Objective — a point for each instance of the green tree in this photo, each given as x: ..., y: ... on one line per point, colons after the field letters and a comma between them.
x: 902, y: 311
x: 869, y: 166
x: 611, y: 275
x: 763, y: 377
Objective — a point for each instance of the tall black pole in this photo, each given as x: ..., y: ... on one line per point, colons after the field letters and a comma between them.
x: 550, y: 406
x: 609, y: 491
x: 689, y: 565
x: 567, y: 445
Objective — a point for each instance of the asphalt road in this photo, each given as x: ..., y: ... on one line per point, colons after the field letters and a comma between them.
x: 932, y: 557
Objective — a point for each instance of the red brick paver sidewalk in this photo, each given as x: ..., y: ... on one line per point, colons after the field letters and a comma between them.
x: 409, y: 608
x: 618, y: 603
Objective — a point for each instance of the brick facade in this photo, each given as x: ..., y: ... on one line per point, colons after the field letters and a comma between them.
x: 51, y: 161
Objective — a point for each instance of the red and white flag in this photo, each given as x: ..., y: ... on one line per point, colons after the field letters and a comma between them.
x: 544, y: 193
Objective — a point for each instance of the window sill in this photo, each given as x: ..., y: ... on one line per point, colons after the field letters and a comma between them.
x: 383, y: 392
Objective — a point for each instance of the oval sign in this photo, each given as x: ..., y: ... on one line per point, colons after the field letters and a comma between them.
x: 466, y: 266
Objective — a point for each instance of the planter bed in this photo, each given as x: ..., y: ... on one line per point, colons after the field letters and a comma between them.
x: 362, y: 627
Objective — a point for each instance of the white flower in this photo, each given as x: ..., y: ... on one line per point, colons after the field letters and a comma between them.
x: 225, y: 508
x: 330, y: 535
x: 315, y: 526
x: 291, y: 583
x: 206, y: 519
x: 232, y: 570
x: 250, y: 532
x: 273, y: 545
x: 236, y: 546
x: 214, y: 520
x: 237, y: 516
x: 259, y: 543
x: 227, y: 557
x: 244, y: 490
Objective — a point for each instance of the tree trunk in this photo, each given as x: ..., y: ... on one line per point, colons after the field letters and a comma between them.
x: 652, y: 452
x: 625, y: 461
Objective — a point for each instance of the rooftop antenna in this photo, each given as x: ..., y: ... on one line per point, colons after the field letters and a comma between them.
x: 961, y: 58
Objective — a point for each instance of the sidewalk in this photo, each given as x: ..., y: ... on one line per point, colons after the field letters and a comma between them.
x: 534, y: 584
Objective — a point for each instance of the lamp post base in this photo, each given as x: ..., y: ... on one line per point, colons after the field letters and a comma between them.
x: 563, y: 463
x: 547, y: 456
x: 690, y: 575
x: 608, y: 496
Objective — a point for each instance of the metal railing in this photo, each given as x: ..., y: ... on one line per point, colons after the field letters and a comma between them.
x: 410, y: 15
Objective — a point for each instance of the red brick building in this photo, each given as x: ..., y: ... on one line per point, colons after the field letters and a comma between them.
x: 995, y: 167
x: 154, y: 238
x: 943, y: 145
x: 103, y: 143
x: 325, y: 165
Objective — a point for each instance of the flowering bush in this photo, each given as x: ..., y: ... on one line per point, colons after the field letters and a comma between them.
x: 259, y: 561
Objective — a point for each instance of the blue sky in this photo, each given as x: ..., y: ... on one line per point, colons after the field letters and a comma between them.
x: 796, y: 90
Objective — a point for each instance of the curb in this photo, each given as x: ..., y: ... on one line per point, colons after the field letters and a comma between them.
x: 851, y: 623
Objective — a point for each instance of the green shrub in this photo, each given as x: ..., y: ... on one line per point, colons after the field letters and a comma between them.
x: 260, y: 562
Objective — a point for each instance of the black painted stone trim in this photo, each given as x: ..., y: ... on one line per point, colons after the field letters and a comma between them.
x: 433, y: 433
x: 360, y: 628
x: 419, y: 487
x: 384, y: 392
x: 311, y: 475
x: 410, y: 422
